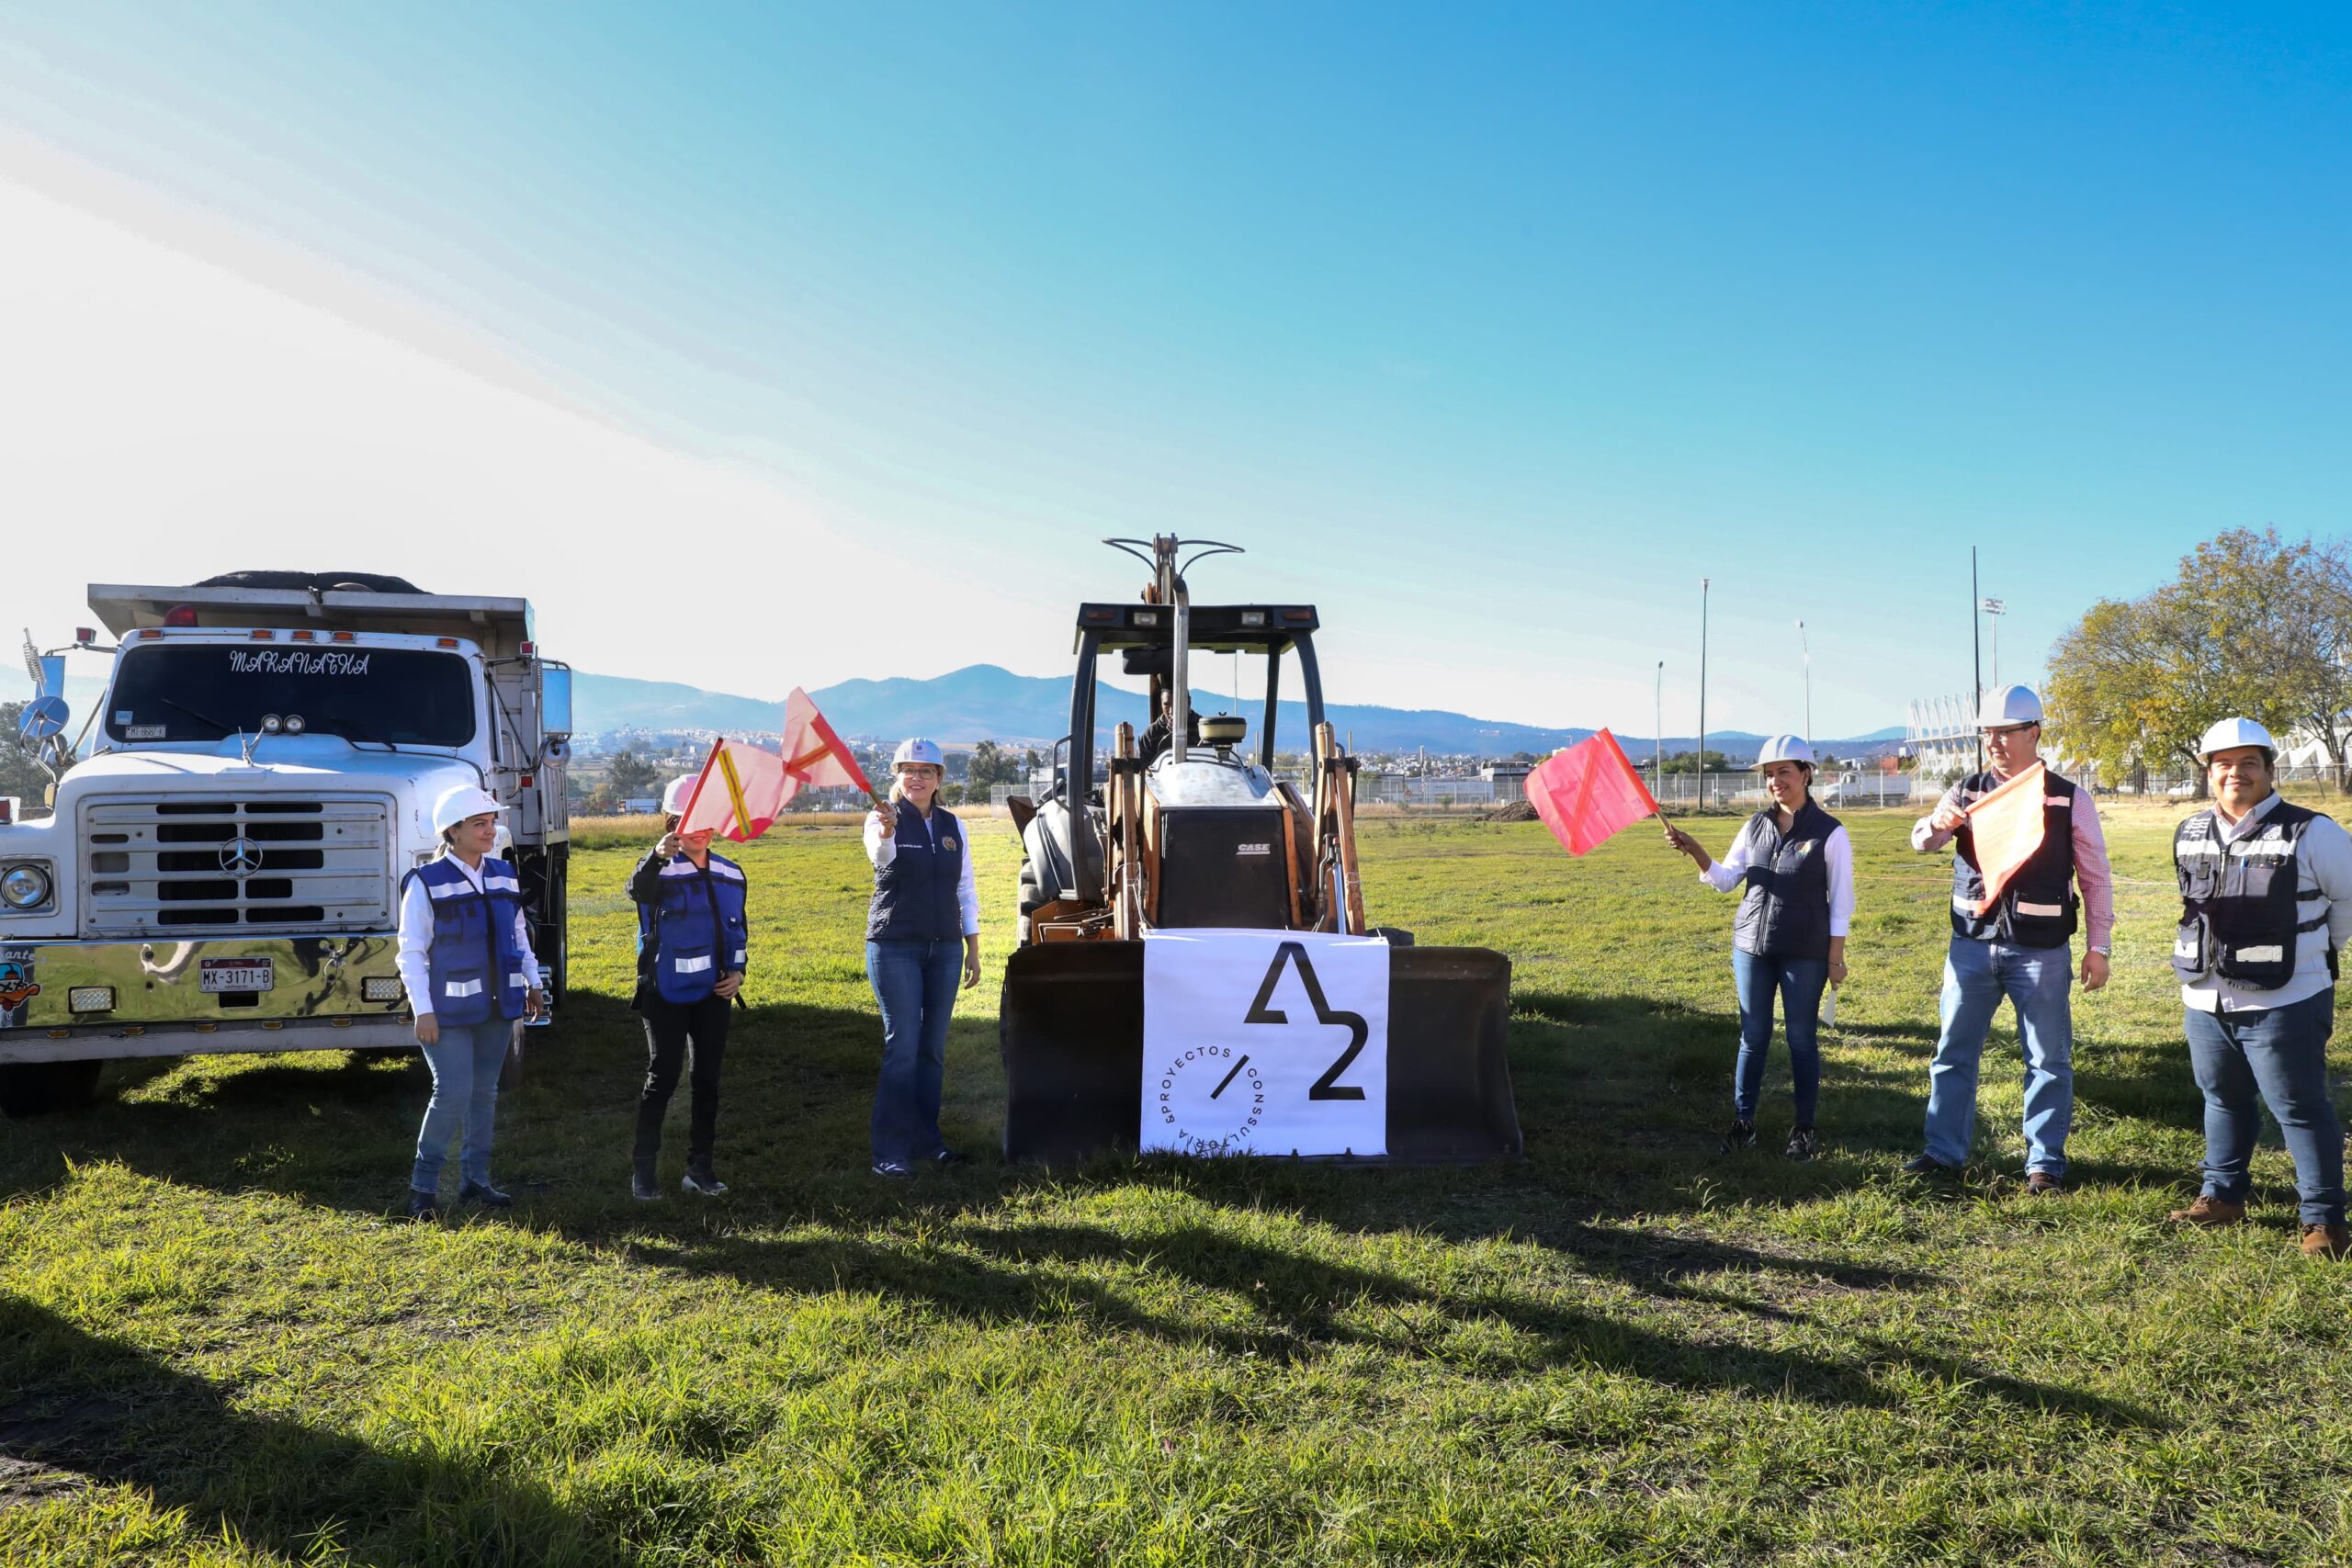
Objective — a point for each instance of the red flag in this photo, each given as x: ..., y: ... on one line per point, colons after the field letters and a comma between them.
x: 741, y: 792
x: 1587, y: 792
x: 744, y: 789
x: 813, y: 754
x: 2004, y: 828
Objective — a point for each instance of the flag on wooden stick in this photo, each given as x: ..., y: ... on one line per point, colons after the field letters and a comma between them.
x: 2004, y: 828
x: 1587, y: 792
x: 743, y: 788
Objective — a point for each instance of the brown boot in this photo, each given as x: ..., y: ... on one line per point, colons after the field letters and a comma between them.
x: 2209, y: 1211
x: 2326, y: 1241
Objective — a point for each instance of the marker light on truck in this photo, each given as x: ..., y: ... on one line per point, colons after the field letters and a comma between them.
x: 379, y: 989
x: 90, y: 999
x: 24, y: 888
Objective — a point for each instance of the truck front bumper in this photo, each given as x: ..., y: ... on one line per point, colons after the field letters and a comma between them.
x: 74, y: 1000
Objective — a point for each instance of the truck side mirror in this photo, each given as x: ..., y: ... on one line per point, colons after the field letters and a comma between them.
x: 43, y: 717
x: 555, y: 699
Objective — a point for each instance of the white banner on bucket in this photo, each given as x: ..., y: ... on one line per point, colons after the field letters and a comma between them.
x: 1267, y: 1043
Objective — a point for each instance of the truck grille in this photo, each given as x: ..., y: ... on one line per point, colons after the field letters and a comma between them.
x: 192, y: 863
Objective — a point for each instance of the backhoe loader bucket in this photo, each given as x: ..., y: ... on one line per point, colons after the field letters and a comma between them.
x: 1071, y: 1027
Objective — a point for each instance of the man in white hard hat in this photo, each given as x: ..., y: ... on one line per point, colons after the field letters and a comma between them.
x: 2266, y: 901
x: 2018, y: 948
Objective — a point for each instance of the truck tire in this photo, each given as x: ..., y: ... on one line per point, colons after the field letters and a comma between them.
x: 35, y: 1088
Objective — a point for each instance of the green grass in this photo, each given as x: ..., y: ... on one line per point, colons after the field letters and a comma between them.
x: 218, y: 1346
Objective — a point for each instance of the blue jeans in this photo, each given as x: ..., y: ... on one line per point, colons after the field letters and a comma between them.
x: 2037, y: 982
x: 915, y: 983
x: 465, y: 1063
x: 2282, y: 1053
x: 1798, y: 982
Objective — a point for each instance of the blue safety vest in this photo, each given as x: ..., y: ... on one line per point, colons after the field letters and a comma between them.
x: 695, y: 929
x: 476, y: 960
x: 914, y: 896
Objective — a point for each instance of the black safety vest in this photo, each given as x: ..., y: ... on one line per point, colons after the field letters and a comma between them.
x: 2243, y: 903
x: 1785, y: 912
x: 2038, y: 908
x: 914, y: 896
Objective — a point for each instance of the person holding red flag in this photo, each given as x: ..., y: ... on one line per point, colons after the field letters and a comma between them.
x: 2012, y: 924
x: 927, y: 907
x: 1788, y: 936
x: 692, y: 942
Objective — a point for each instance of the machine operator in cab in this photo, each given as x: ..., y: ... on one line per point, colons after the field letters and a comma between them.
x: 921, y: 935
x: 2266, y: 902
x: 465, y: 957
x: 1788, y: 936
x: 2019, y: 948
x: 693, y: 944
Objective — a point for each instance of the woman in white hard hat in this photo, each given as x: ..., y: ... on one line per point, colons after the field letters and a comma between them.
x: 465, y: 957
x: 1789, y: 937
x: 693, y: 945
x: 923, y: 932
x: 2266, y: 902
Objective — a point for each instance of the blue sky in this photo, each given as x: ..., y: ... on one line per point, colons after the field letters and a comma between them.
x: 1491, y: 329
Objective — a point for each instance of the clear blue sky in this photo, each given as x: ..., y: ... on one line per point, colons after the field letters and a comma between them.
x: 1492, y: 329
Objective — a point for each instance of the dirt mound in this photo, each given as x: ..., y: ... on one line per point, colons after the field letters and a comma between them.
x: 1515, y: 811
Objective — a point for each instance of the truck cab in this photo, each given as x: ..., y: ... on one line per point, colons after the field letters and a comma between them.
x: 219, y: 866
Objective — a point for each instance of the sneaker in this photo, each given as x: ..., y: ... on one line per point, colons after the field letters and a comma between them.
x: 2209, y: 1211
x: 1741, y: 1136
x: 482, y: 1192
x: 948, y: 1156
x: 699, y: 1179
x: 2326, y: 1241
x: 898, y: 1169
x: 424, y: 1205
x: 2041, y: 1183
x: 1926, y: 1165
x: 642, y: 1185
x: 1801, y: 1144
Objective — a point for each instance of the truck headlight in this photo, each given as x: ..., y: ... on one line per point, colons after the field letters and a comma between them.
x: 24, y: 888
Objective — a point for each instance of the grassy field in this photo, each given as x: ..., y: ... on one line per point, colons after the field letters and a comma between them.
x: 218, y: 1346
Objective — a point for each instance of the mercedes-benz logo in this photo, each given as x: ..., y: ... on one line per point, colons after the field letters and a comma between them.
x: 241, y: 857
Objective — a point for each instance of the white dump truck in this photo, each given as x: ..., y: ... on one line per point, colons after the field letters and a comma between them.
x: 220, y: 866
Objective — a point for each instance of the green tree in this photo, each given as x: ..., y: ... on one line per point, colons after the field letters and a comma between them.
x: 21, y: 770
x: 989, y: 766
x: 2251, y: 625
x: 632, y: 777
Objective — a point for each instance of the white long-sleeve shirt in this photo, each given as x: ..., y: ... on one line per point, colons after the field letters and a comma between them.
x: 414, y: 956
x: 1730, y: 874
x: 882, y: 850
x: 2323, y: 861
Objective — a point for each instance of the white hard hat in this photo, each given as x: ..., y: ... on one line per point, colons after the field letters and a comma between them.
x: 2007, y: 707
x: 919, y: 751
x: 1784, y: 748
x: 455, y: 805
x: 2232, y: 733
x: 681, y: 790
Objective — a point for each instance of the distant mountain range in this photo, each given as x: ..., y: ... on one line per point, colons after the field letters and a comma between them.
x: 983, y: 702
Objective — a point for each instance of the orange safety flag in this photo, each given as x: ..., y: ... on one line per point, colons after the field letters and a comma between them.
x: 1587, y: 792
x: 2005, y: 827
x: 744, y: 789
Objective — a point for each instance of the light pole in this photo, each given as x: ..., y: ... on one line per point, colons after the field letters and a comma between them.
x: 1996, y: 608
x: 1807, y: 646
x: 1657, y: 723
x: 1702, y: 695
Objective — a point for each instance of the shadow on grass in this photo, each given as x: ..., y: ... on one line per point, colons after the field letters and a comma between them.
x: 79, y: 1409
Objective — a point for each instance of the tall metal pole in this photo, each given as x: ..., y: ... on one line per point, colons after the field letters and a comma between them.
x: 1803, y: 643
x: 1977, y: 652
x: 1703, y: 693
x: 1658, y: 721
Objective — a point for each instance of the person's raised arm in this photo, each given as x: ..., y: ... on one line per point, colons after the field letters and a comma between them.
x: 881, y: 838
x: 1934, y: 830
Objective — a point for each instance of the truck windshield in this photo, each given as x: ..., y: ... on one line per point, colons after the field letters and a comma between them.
x: 211, y: 691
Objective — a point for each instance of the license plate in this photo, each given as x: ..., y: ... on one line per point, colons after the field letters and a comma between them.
x: 236, y: 974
